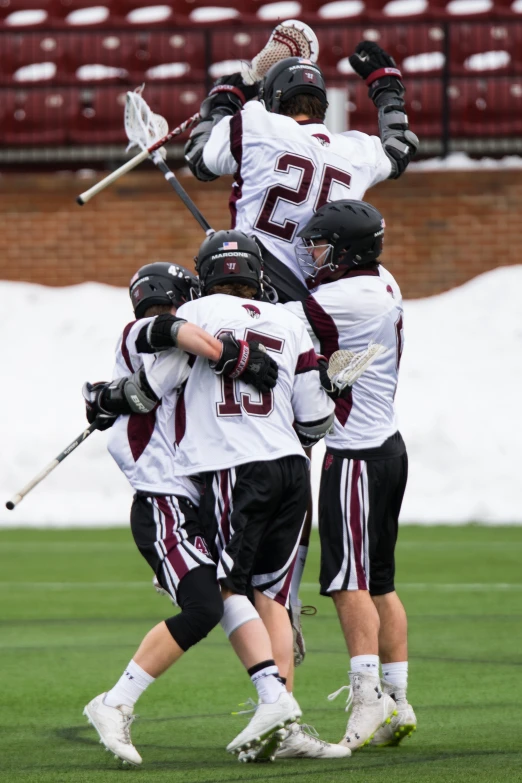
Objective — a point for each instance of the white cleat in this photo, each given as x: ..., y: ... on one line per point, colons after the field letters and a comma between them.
x: 267, y: 719
x: 302, y: 742
x: 401, y: 725
x: 370, y: 709
x: 113, y: 725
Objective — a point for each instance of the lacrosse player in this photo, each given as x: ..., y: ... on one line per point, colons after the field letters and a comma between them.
x: 355, y: 302
x: 285, y: 162
x: 286, y: 165
x: 144, y: 410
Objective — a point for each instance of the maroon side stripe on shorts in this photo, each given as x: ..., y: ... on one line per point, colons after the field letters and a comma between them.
x: 356, y: 525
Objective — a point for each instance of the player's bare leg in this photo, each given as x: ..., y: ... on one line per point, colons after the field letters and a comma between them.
x: 277, y: 622
x: 158, y: 651
x: 393, y: 650
x: 276, y: 708
x: 111, y: 713
x: 370, y: 707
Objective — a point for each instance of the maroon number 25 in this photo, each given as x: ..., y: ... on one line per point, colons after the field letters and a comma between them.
x: 298, y: 195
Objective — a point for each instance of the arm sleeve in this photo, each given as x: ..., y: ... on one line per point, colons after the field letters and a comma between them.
x: 381, y: 167
x: 217, y: 154
x: 164, y: 371
x: 309, y: 400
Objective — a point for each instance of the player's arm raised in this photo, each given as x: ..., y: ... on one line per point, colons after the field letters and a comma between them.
x: 385, y: 88
x: 226, y: 98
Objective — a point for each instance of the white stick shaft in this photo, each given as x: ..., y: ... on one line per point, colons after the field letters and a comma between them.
x: 15, y: 500
x: 83, y: 198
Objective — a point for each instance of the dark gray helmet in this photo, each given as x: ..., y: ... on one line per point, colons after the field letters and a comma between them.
x: 350, y: 234
x: 293, y: 76
x: 229, y: 257
x: 161, y: 283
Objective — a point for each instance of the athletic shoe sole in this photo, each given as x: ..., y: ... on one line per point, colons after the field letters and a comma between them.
x: 401, y: 733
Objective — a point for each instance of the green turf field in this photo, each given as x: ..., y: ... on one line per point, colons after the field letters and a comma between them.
x: 75, y: 604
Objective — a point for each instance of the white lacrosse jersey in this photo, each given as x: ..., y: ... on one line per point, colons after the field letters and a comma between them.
x: 228, y: 422
x: 144, y: 445
x: 285, y: 170
x: 349, y: 314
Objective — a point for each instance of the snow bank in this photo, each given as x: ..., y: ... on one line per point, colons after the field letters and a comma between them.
x: 458, y: 402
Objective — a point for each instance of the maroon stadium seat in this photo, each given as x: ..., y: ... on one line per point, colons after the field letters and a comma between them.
x: 35, y: 117
x: 176, y: 103
x: 25, y: 49
x: 424, y: 107
x: 96, y: 116
x: 493, y: 107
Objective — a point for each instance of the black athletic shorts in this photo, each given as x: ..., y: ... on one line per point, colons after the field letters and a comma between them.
x: 359, y: 503
x: 253, y: 515
x: 288, y: 287
x: 168, y: 534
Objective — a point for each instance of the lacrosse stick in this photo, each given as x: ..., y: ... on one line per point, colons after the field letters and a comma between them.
x: 15, y: 500
x: 289, y: 39
x: 346, y: 367
x: 143, y: 127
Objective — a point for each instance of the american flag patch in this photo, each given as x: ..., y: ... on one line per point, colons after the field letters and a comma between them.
x: 229, y: 246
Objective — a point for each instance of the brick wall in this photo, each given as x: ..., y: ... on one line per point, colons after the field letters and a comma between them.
x: 443, y: 228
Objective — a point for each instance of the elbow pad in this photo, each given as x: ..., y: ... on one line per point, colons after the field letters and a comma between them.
x: 129, y: 395
x: 399, y: 142
x: 311, y: 432
x: 160, y: 334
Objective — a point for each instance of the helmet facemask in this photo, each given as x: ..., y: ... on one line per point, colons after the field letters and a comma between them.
x: 314, y: 256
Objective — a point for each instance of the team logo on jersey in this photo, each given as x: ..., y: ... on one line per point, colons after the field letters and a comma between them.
x: 390, y: 290
x: 252, y: 310
x: 201, y: 546
x: 328, y: 461
x: 322, y: 139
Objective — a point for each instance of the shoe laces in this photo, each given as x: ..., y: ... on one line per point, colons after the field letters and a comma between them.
x: 250, y: 704
x: 127, y: 721
x: 349, y: 698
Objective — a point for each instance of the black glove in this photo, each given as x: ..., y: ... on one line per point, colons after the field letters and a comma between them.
x: 328, y: 385
x: 248, y: 361
x: 378, y: 69
x: 230, y: 92
x: 93, y: 396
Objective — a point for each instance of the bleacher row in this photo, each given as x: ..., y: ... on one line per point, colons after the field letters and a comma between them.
x: 67, y: 87
x: 118, y: 13
x: 477, y: 107
x: 65, y: 58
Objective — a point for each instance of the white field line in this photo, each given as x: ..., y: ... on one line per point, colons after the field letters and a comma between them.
x: 428, y: 586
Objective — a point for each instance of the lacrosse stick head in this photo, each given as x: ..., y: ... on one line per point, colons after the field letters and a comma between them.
x: 142, y: 126
x: 289, y: 39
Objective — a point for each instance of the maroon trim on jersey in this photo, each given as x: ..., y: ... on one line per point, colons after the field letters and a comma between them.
x: 311, y: 121
x: 180, y: 416
x: 306, y: 362
x: 323, y: 326
x: 343, y: 409
x: 326, y: 332
x: 236, y: 148
x: 355, y: 525
x: 124, y: 349
x: 139, y: 432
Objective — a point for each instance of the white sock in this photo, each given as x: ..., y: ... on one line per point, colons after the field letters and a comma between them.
x: 295, y: 584
x: 267, y: 681
x: 129, y: 687
x: 396, y: 673
x: 366, y: 664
